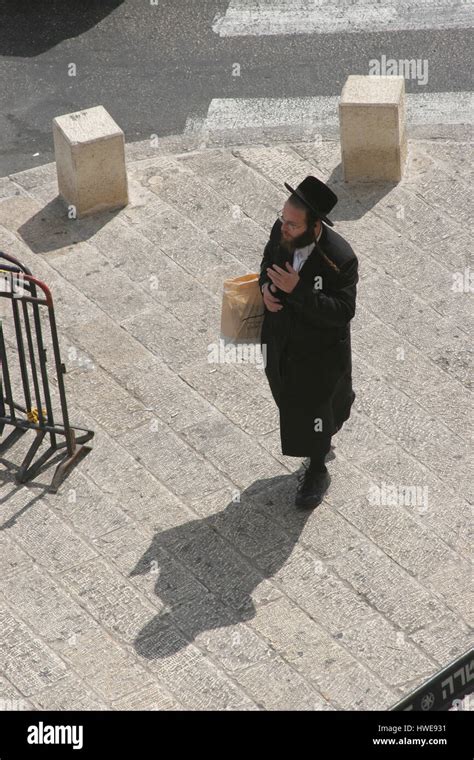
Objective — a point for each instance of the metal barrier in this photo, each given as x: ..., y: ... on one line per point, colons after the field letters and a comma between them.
x: 454, y: 682
x: 32, y: 358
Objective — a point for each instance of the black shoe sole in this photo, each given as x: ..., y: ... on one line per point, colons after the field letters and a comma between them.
x: 310, y: 502
x: 311, y: 505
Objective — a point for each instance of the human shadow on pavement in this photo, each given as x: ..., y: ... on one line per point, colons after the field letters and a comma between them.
x: 226, y: 555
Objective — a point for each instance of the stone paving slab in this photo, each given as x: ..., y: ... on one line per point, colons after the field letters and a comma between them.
x: 171, y: 570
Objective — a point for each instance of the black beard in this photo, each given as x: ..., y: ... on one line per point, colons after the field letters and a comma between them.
x: 301, y: 241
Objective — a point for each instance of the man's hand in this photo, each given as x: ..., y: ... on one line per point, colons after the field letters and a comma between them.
x: 271, y: 303
x: 284, y: 280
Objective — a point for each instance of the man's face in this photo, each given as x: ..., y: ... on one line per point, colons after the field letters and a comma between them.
x: 294, y: 230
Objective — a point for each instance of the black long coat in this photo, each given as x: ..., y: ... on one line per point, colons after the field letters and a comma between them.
x: 308, y: 342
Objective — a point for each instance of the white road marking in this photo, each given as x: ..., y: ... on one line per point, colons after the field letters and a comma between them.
x: 284, y: 17
x: 229, y: 114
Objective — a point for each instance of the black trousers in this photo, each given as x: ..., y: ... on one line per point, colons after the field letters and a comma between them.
x: 321, y: 447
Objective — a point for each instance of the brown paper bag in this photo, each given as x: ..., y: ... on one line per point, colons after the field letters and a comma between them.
x: 242, y: 310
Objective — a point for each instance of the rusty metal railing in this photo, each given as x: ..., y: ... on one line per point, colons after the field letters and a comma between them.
x: 31, y: 302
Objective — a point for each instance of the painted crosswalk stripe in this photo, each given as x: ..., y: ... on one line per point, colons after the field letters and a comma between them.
x: 284, y: 17
x: 225, y: 114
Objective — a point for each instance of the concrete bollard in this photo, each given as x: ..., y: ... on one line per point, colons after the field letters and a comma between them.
x: 372, y: 128
x: 90, y: 161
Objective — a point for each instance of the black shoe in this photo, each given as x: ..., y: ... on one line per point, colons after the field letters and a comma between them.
x: 311, y: 489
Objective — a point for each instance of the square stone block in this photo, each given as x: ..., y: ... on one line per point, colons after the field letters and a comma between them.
x: 372, y: 128
x: 90, y: 161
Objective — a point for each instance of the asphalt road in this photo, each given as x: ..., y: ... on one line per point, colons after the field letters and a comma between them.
x: 154, y: 66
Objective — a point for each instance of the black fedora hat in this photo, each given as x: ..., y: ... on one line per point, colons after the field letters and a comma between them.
x: 317, y: 196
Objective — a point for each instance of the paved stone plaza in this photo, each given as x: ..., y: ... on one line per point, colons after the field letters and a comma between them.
x: 171, y: 570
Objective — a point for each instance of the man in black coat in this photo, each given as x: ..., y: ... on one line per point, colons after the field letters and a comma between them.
x: 308, y: 278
